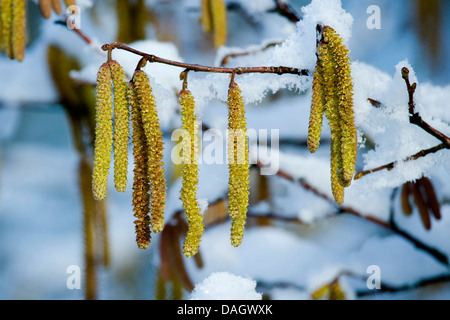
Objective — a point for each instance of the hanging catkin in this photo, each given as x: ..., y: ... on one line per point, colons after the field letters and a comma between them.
x: 103, y: 132
x: 19, y: 29
x: 333, y: 94
x: 45, y: 6
x: 238, y: 164
x: 121, y: 126
x: 141, y: 183
x: 317, y: 108
x: 155, y: 143
x: 70, y: 3
x: 206, y: 16
x: 344, y: 88
x: 189, y: 174
x: 56, y: 5
x: 219, y: 22
x: 7, y: 25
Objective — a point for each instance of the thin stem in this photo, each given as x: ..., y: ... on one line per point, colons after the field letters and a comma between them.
x: 200, y: 68
x: 284, y: 9
x: 414, y: 117
x: 349, y: 210
x: 390, y: 166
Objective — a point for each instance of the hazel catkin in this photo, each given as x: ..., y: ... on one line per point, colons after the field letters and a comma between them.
x: 333, y: 95
x: 189, y: 174
x: 238, y: 164
x: 121, y: 126
x: 103, y: 132
x: 141, y: 183
x: 6, y: 7
x: 19, y: 29
x: 155, y: 143
x: 219, y: 22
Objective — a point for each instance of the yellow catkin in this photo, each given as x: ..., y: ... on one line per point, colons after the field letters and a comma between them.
x: 344, y: 87
x: 56, y: 5
x: 6, y: 12
x: 19, y: 29
x: 238, y: 164
x: 189, y: 174
x: 45, y: 6
x: 336, y: 186
x: 334, y: 120
x: 206, y: 16
x: 141, y: 183
x: 1, y: 27
x: 70, y: 3
x: 219, y: 22
x: 155, y: 142
x: 317, y: 109
x: 121, y: 126
x: 103, y: 132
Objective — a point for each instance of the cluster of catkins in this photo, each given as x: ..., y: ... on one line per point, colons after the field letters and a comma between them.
x: 115, y: 94
x: 214, y: 19
x: 13, y: 23
x: 333, y: 96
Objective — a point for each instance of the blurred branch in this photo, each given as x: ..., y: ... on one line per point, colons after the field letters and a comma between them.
x: 283, y: 9
x: 77, y: 31
x: 227, y: 57
x: 349, y: 210
x: 384, y: 288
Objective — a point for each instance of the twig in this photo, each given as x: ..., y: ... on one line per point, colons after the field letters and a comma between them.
x: 227, y: 57
x: 77, y: 31
x: 384, y: 288
x: 283, y: 9
x: 349, y: 210
x: 390, y: 166
x: 200, y: 68
x: 416, y: 119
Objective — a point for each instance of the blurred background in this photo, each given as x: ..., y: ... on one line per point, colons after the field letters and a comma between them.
x: 48, y: 220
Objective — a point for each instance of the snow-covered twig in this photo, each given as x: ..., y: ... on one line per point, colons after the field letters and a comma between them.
x: 416, y: 119
x: 200, y: 68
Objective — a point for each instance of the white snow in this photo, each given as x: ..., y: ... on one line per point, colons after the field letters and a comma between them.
x: 225, y: 286
x: 40, y: 208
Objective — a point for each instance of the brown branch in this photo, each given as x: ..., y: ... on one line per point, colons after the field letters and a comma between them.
x: 200, y: 68
x: 283, y: 9
x: 77, y: 31
x: 414, y: 117
x: 385, y: 288
x: 227, y: 57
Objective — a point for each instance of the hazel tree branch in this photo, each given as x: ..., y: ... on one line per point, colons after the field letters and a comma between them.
x: 200, y: 68
x: 283, y: 9
x: 416, y: 119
